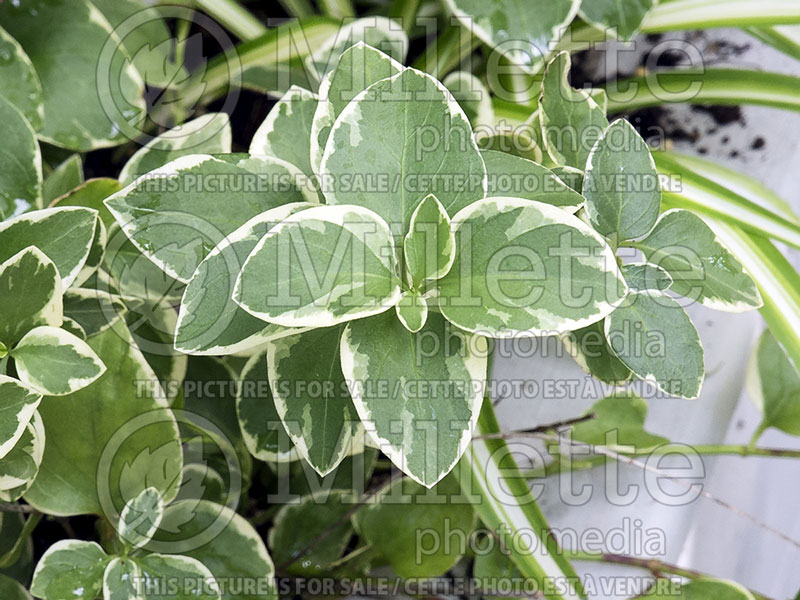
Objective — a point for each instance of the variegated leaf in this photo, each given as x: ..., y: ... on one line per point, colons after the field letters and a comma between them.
x: 412, y: 310
x: 429, y: 247
x: 140, y: 518
x: 16, y: 411
x: 20, y: 466
x: 70, y: 570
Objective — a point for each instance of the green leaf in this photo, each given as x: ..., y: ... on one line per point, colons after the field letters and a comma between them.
x: 20, y: 466
x: 412, y: 310
x: 419, y: 146
x: 713, y: 86
x: 571, y: 120
x: 64, y: 178
x: 140, y: 518
x: 286, y: 132
x: 400, y: 530
x: 20, y: 160
x: 70, y: 570
x: 177, y: 226
x: 429, y: 247
x: 704, y: 588
x: 65, y: 235
x: 30, y: 294
x: 19, y: 405
x: 298, y: 526
x: 379, y: 32
x: 54, y: 362
x: 208, y: 134
x: 589, y: 347
x: 622, y: 414
x: 423, y: 430
x: 11, y: 526
x: 623, y: 19
x: 320, y: 267
x: 473, y: 97
x: 121, y: 580
x: 262, y: 429
x: 19, y: 81
x: 621, y: 187
x: 519, y: 177
x: 655, y: 338
x: 701, y: 268
x: 210, y: 322
x: 76, y: 115
x: 644, y: 276
x: 223, y: 541
x: 521, y: 32
x: 12, y: 590
x: 108, y: 442
x: 94, y: 310
x: 536, y: 269
x: 358, y: 68
x: 726, y: 195
x: 774, y: 385
x: 176, y: 578
x: 312, y: 398
x: 506, y: 506
x: 90, y: 194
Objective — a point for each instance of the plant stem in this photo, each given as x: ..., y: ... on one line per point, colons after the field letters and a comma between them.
x: 656, y: 567
x: 297, y: 8
x: 447, y: 51
x: 405, y: 13
x: 13, y: 507
x: 237, y: 19
x: 338, y: 9
x: 12, y: 556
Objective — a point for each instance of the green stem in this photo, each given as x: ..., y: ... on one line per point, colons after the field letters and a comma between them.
x: 237, y: 19
x: 12, y: 556
x: 297, y: 8
x: 405, y: 13
x: 338, y: 9
x: 756, y: 436
x: 656, y: 567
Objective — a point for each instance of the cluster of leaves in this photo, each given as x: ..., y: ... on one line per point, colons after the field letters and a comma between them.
x: 124, y: 285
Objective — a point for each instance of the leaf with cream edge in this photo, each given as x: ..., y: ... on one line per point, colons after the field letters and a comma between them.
x: 121, y: 579
x: 20, y: 161
x: 140, y: 518
x: 701, y: 267
x: 19, y: 81
x: 286, y: 131
x: 429, y: 247
x: 210, y: 322
x: 511, y: 175
x: 381, y: 131
x: 644, y: 276
x: 189, y: 578
x: 537, y: 270
x: 30, y: 295
x: 656, y: 339
x: 64, y: 235
x: 223, y: 541
x: 589, y: 348
x: 94, y: 310
x: 18, y: 407
x: 322, y: 424
x: 524, y: 33
x: 207, y: 134
x: 262, y: 429
x: 384, y: 34
x: 412, y: 310
x: 623, y: 19
x: 571, y: 120
x: 55, y: 362
x: 473, y: 96
x: 70, y: 570
x: 77, y: 116
x: 423, y: 432
x: 359, y: 67
x: 20, y: 466
x: 177, y: 229
x: 773, y: 383
x: 78, y: 474
x: 320, y: 267
x: 621, y: 187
